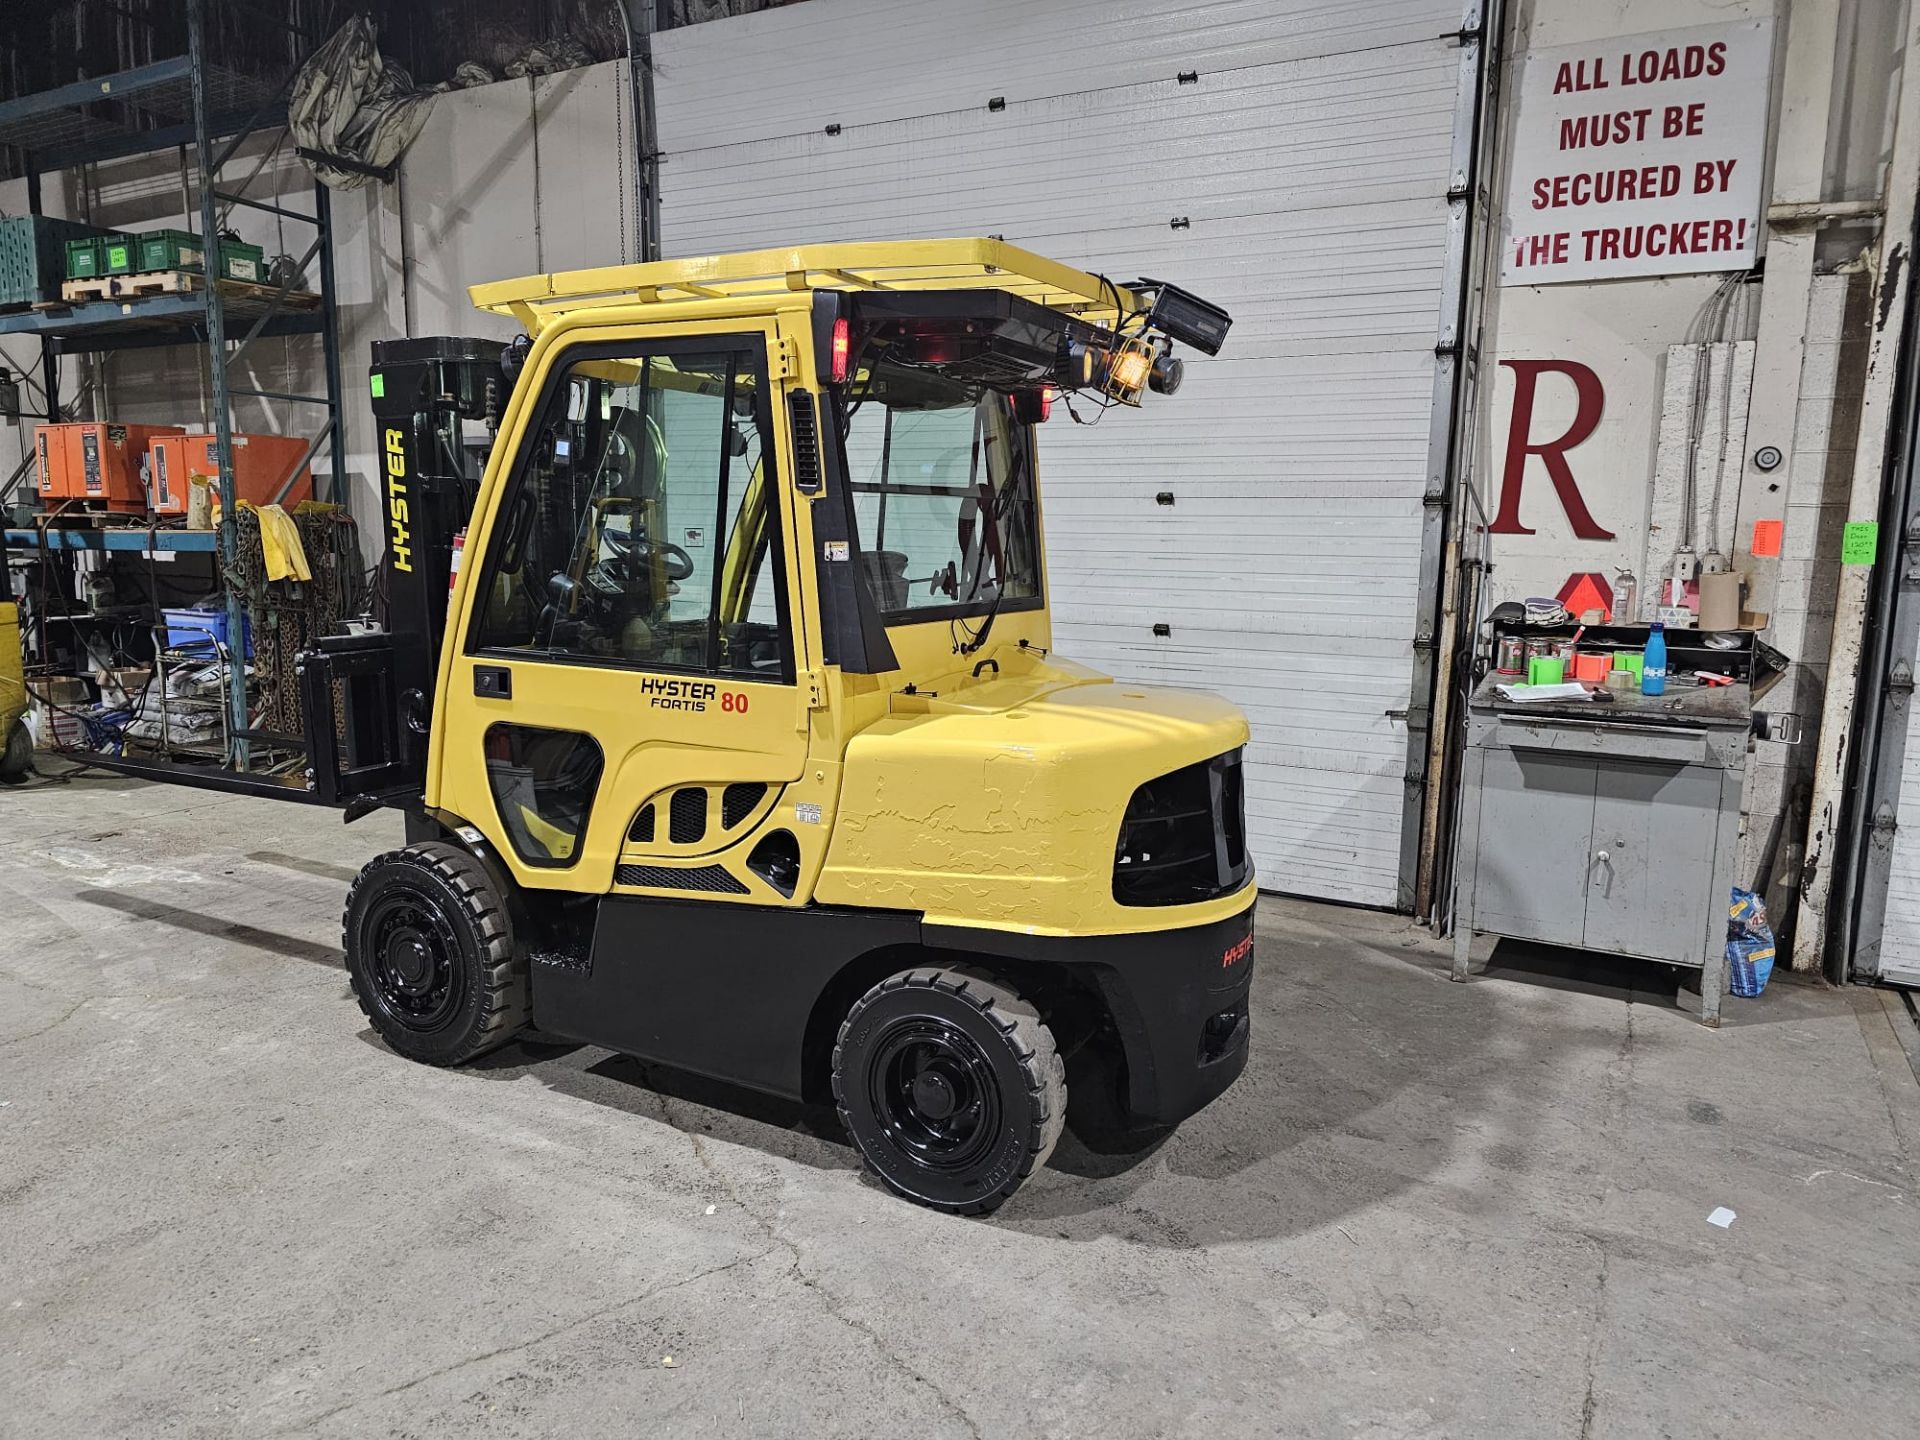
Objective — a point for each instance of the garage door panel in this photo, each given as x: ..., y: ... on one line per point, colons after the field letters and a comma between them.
x: 1178, y: 542
x: 1308, y: 122
x: 1324, y: 844
x: 1311, y: 190
x: 964, y: 167
x: 1205, y: 574
x: 833, y: 54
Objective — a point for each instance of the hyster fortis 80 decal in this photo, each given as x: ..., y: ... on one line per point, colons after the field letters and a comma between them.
x: 694, y: 695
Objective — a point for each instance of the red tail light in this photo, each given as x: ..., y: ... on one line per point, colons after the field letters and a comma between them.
x: 842, y: 347
x: 1048, y: 394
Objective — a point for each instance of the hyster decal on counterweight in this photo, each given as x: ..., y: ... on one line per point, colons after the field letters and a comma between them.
x: 399, y: 546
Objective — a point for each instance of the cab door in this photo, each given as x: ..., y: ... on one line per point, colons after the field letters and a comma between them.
x: 620, y: 712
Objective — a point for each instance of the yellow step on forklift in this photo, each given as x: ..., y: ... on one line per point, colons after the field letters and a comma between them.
x: 741, y: 744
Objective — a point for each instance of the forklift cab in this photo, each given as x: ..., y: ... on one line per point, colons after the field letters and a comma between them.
x: 586, y: 561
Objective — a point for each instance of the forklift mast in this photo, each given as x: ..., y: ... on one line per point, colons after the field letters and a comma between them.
x: 369, y: 697
x: 424, y: 392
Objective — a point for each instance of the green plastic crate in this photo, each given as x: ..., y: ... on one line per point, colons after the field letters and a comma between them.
x: 241, y: 261
x: 33, y: 256
x: 84, y: 259
x: 119, y: 254
x: 170, y: 250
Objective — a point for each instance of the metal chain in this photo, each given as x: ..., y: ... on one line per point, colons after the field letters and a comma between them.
x: 620, y: 149
x: 288, y: 616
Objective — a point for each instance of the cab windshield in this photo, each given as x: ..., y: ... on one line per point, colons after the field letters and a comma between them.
x: 943, y: 492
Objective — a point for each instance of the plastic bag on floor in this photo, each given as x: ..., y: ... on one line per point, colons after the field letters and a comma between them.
x: 1749, y: 944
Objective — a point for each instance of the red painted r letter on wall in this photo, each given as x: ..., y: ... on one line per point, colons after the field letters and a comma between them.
x: 1553, y: 453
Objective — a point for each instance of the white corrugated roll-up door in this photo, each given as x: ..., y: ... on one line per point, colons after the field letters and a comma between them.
x: 1893, y: 953
x: 1288, y: 159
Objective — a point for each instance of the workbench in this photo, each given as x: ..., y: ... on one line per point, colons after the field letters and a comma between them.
x: 1609, y: 825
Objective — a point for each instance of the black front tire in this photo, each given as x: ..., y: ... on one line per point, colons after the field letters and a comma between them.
x: 431, y: 955
x: 951, y: 1087
x: 16, y: 756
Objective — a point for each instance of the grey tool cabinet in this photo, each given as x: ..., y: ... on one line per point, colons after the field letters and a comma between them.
x: 1609, y: 827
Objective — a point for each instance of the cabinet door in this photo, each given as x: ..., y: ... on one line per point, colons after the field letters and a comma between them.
x: 1536, y: 823
x: 1651, y: 882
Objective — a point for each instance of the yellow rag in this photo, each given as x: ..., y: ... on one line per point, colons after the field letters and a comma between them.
x: 286, y: 557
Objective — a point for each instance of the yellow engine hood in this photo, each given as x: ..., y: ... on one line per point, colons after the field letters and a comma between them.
x: 1000, y: 803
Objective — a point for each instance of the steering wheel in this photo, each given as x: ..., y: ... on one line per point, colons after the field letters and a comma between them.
x: 632, y: 550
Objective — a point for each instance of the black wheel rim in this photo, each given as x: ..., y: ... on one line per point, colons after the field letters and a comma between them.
x: 413, y: 960
x: 933, y: 1092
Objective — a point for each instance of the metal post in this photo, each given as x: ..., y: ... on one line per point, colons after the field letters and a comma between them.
x: 1799, y: 175
x: 1857, y: 910
x: 646, y: 137
x: 1449, y: 422
x: 49, y: 358
x: 1872, y: 474
x: 330, y: 342
x: 217, y: 367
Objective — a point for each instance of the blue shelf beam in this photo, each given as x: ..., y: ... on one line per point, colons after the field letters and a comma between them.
x: 65, y: 125
x: 54, y: 107
x: 139, y: 542
x: 142, y: 322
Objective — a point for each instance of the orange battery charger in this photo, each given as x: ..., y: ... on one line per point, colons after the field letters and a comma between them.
x: 95, y: 460
x: 263, y: 465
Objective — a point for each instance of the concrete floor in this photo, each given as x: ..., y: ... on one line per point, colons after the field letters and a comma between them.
x: 1427, y: 1209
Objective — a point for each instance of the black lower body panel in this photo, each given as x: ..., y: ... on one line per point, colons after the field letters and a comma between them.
x: 740, y: 993
x: 1178, y: 998
x: 725, y: 991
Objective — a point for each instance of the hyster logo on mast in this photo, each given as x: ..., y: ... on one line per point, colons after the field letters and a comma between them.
x: 397, y: 517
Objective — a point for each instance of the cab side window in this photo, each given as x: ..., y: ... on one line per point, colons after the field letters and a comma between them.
x: 641, y: 528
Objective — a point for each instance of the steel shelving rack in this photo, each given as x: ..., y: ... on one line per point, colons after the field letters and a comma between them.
x: 208, y: 110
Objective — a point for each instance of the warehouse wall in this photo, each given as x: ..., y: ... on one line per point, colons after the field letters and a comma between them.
x: 1622, y: 329
x: 516, y: 178
x: 506, y: 179
x: 1628, y: 332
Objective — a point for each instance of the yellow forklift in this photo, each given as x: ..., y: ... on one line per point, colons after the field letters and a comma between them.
x: 741, y: 744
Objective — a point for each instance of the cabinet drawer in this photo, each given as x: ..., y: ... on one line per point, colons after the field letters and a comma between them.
x: 1581, y: 737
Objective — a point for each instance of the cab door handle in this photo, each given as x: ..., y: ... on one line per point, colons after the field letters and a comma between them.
x: 493, y: 682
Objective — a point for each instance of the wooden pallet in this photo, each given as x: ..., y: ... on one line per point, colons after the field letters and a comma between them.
x: 98, y: 288
x: 176, y: 282
x: 161, y: 282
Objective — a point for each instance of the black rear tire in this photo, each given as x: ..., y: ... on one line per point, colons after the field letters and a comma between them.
x: 951, y: 1087
x: 16, y: 756
x: 431, y: 955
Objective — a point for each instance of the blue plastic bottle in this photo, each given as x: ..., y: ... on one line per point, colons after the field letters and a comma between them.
x: 1653, y: 669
